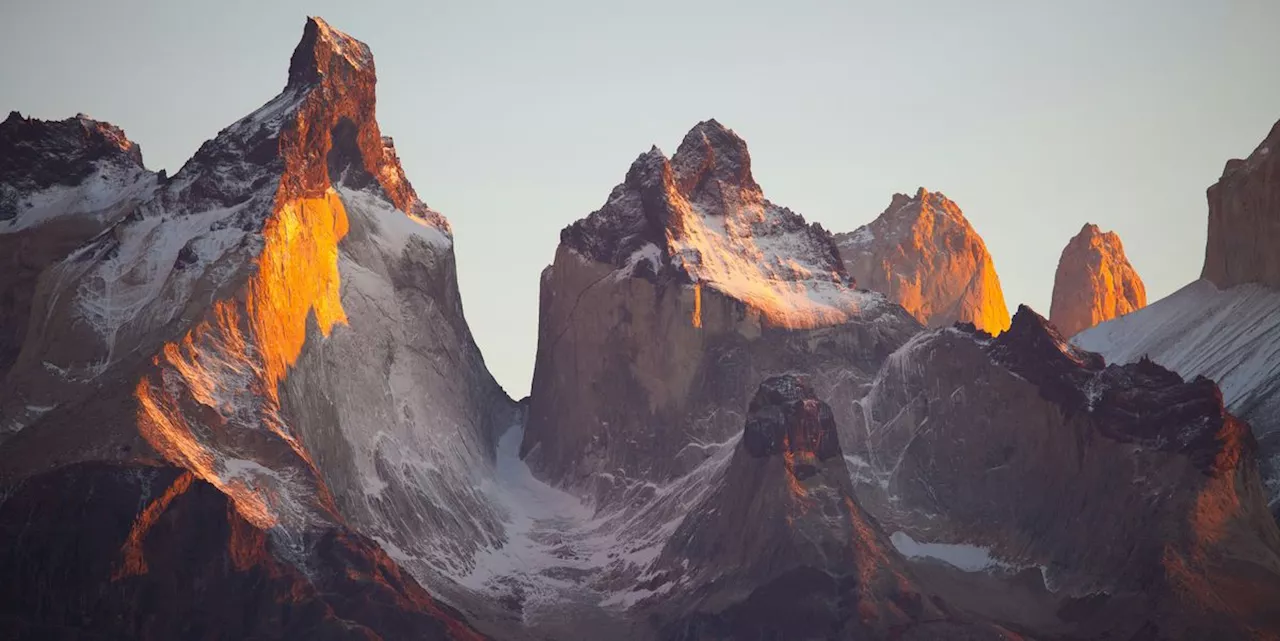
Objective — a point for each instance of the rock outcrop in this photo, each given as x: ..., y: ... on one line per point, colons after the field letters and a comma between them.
x: 61, y: 183
x: 924, y: 255
x: 189, y: 567
x: 780, y: 549
x: 664, y: 309
x: 1227, y: 335
x: 1132, y: 494
x: 1244, y: 220
x: 1094, y: 282
x: 1224, y: 325
x: 279, y: 320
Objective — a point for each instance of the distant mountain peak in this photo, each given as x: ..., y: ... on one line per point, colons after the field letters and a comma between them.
x: 700, y: 217
x: 1094, y: 282
x: 1243, y: 243
x: 713, y: 157
x: 325, y: 51
x: 923, y: 254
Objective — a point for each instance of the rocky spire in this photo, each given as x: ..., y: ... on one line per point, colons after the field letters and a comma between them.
x: 713, y: 159
x: 325, y: 51
x: 923, y: 254
x: 1243, y: 244
x: 1094, y: 282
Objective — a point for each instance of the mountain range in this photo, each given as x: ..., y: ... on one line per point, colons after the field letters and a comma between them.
x: 243, y: 402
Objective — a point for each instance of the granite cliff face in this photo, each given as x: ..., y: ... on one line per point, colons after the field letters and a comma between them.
x: 781, y: 549
x: 1224, y: 326
x: 665, y: 308
x: 279, y: 322
x: 923, y: 254
x: 1131, y: 497
x: 1094, y: 282
x: 1244, y: 220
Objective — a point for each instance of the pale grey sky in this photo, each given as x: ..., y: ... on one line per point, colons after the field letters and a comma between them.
x: 514, y: 119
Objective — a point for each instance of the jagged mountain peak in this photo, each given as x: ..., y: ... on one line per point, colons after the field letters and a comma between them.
x: 712, y: 157
x: 1094, y: 282
x: 320, y: 131
x: 786, y: 417
x: 325, y: 52
x: 53, y: 169
x: 1032, y: 340
x: 40, y: 153
x: 700, y: 218
x: 922, y: 253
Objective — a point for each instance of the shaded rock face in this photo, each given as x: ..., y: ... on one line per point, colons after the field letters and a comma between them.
x: 1127, y: 488
x: 1227, y: 335
x: 1244, y: 220
x: 780, y: 549
x: 665, y: 309
x: 109, y: 551
x: 61, y: 183
x: 1094, y: 282
x: 785, y: 416
x: 923, y: 254
x: 280, y: 319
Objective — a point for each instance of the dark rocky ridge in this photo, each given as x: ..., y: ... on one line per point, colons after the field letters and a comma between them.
x: 711, y: 168
x: 38, y: 154
x: 96, y: 164
x: 198, y: 570
x: 780, y: 549
x: 1121, y: 481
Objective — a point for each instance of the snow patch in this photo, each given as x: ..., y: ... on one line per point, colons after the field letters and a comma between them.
x: 970, y: 558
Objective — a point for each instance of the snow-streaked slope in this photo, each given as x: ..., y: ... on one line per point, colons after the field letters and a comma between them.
x: 1231, y: 336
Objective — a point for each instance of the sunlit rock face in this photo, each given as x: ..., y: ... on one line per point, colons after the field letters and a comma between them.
x: 924, y: 255
x: 1224, y: 325
x: 780, y: 548
x: 666, y: 308
x: 1130, y: 496
x: 1094, y: 282
x: 1244, y: 220
x: 280, y: 319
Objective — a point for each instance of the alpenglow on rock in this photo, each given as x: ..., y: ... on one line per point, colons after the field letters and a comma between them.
x: 263, y: 355
x: 1244, y: 219
x: 924, y: 255
x: 666, y: 307
x: 1094, y: 282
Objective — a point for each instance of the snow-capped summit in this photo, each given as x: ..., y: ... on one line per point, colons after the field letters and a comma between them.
x: 674, y: 299
x: 923, y: 254
x: 278, y: 323
x: 64, y: 167
x: 701, y: 215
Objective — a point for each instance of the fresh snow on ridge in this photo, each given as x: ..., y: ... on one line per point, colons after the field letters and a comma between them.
x: 1231, y: 336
